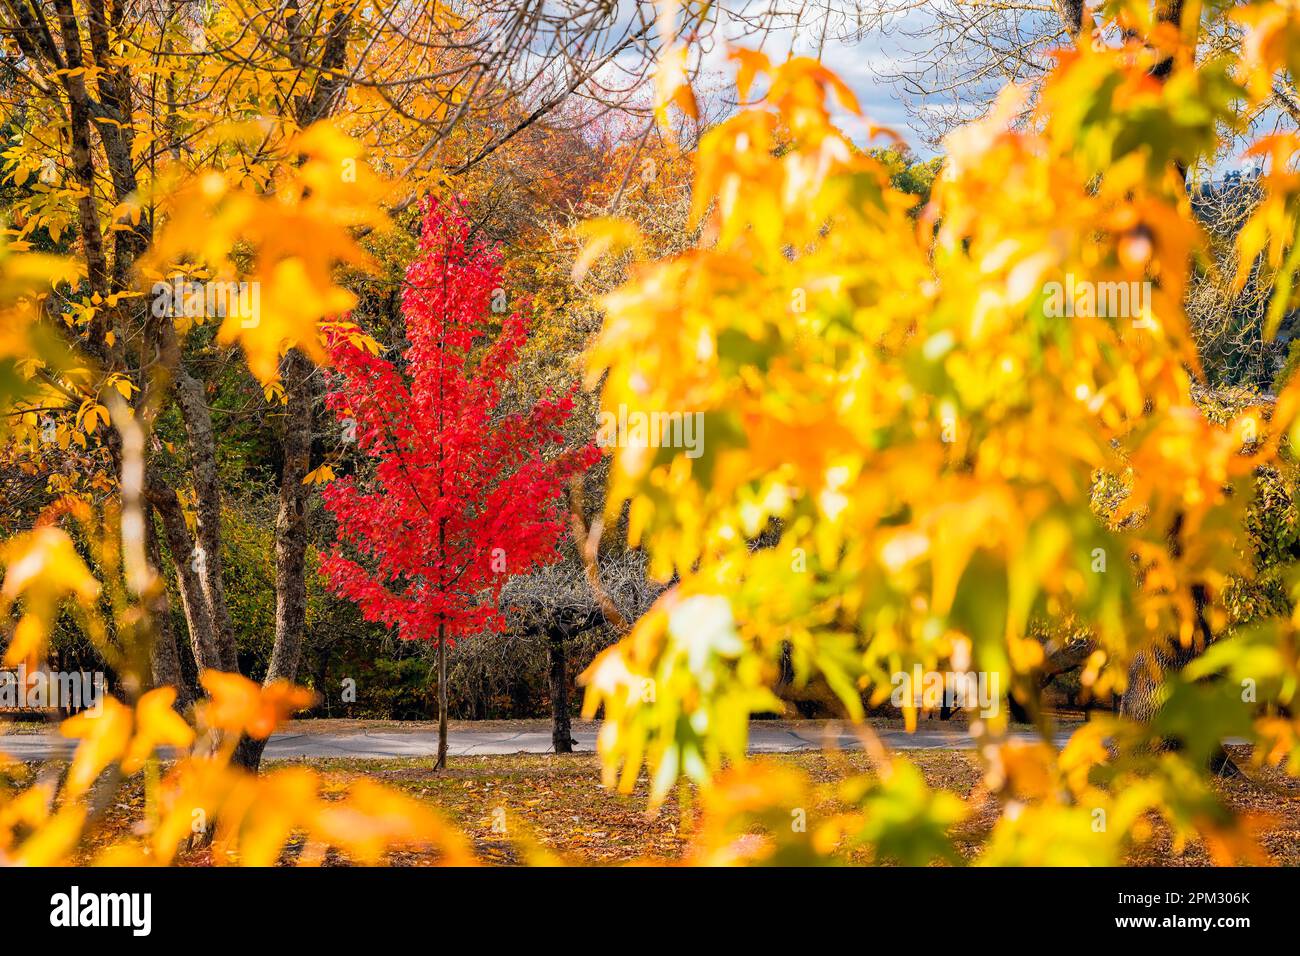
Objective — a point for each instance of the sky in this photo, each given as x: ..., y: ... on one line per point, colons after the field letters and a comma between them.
x: 862, y: 65
x: 878, y: 46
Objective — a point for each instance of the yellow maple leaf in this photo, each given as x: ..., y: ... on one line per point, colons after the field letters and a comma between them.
x: 104, y: 739
x: 156, y: 724
x: 240, y: 705
x: 319, y: 476
x: 43, y: 568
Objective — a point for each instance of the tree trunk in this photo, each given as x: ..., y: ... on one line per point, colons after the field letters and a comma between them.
x: 442, y: 697
x: 296, y: 373
x: 297, y: 376
x: 204, y: 558
x: 291, y: 522
x: 1140, y: 702
x: 561, y: 730
x: 322, y: 674
x: 164, y: 660
x: 198, y: 616
x: 83, y: 166
x: 207, y: 489
x: 1017, y: 709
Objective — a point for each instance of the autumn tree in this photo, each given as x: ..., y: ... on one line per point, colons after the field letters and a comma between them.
x: 117, y: 112
x: 158, y: 141
x: 904, y: 438
x: 463, y: 493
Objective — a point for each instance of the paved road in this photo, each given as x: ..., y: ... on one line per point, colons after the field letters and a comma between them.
x: 375, y: 745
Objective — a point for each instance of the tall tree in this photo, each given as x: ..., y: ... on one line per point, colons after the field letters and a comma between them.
x: 463, y: 492
x: 113, y: 111
x: 119, y: 107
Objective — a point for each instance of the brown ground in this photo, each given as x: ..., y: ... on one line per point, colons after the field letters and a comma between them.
x: 558, y: 804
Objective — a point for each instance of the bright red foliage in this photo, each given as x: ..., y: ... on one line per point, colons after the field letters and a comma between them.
x: 463, y: 493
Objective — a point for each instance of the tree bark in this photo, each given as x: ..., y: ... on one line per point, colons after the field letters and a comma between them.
x: 164, y: 659
x: 1140, y: 701
x: 442, y: 697
x: 561, y: 729
x: 197, y: 417
x: 83, y: 167
x: 297, y: 376
x: 198, y: 616
x: 207, y: 489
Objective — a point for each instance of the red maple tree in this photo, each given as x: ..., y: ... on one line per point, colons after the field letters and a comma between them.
x: 464, y: 492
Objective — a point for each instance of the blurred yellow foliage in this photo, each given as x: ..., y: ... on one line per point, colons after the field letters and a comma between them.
x: 913, y: 408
